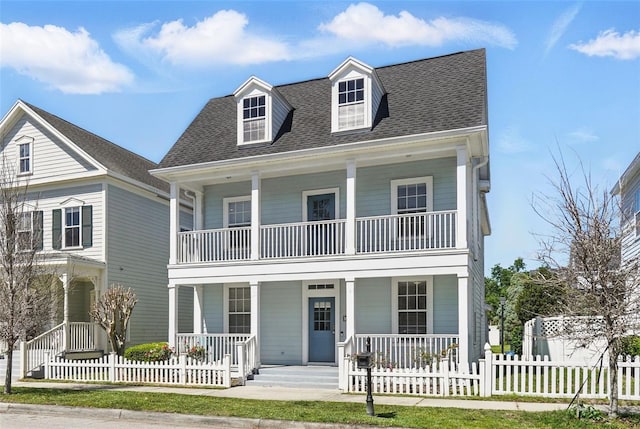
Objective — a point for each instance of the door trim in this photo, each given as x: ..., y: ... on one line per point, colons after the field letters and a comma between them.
x: 306, y: 194
x: 306, y: 294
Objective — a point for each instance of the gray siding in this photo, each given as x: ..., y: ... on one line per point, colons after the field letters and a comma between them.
x: 445, y: 305
x: 373, y: 306
x: 630, y: 241
x: 280, y: 323
x: 137, y: 255
x: 373, y: 194
x: 185, y: 310
x: 213, y: 312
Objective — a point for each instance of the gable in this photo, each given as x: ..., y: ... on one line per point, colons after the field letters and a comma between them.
x: 51, y: 158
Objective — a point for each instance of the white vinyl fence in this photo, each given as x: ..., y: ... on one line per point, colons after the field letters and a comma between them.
x: 116, y: 369
x: 498, y: 375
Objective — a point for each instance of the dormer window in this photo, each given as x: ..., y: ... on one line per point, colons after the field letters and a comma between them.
x: 351, y: 103
x: 356, y: 93
x: 253, y: 118
x: 261, y: 111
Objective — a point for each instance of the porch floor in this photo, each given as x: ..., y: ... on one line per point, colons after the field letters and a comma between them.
x: 304, y: 377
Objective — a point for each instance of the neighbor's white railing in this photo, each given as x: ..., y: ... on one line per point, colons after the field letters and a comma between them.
x: 291, y: 240
x: 406, y: 232
x: 408, y: 351
x: 81, y: 336
x: 116, y: 369
x: 227, y: 244
x: 216, y: 345
x: 32, y: 353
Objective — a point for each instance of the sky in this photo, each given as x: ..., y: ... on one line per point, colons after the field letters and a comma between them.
x: 563, y: 77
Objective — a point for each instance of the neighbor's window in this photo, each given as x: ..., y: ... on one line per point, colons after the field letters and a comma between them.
x: 351, y: 103
x: 254, y: 118
x: 239, y: 310
x: 25, y: 231
x: 72, y: 227
x: 24, y: 158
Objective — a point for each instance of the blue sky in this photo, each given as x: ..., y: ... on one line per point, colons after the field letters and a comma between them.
x: 562, y: 76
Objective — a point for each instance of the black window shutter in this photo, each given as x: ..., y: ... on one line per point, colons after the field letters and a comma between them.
x: 87, y: 226
x: 37, y: 230
x: 56, y: 230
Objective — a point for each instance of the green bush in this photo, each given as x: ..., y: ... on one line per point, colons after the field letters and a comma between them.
x: 630, y: 346
x: 152, y: 352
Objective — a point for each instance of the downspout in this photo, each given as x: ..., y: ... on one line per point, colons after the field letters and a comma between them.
x: 476, y: 198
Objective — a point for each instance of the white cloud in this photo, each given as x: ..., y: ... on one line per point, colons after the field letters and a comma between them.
x: 219, y: 39
x: 511, y: 141
x: 70, y: 62
x: 365, y: 23
x: 610, y: 43
x: 560, y: 26
x: 582, y: 136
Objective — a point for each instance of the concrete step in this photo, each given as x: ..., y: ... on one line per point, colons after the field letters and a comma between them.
x: 83, y: 355
x: 311, y: 377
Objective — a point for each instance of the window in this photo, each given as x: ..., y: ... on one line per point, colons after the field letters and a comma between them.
x: 238, y: 213
x: 72, y: 227
x: 351, y: 103
x: 239, y: 310
x: 411, y: 198
x: 24, y: 158
x: 29, y: 231
x: 412, y: 307
x: 254, y: 118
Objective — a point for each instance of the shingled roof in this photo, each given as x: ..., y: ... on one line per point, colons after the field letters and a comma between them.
x: 435, y: 94
x: 112, y: 156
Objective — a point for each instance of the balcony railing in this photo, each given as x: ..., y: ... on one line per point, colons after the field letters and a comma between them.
x: 378, y: 234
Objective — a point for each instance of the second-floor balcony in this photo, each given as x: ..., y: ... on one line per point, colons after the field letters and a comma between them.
x: 424, y: 231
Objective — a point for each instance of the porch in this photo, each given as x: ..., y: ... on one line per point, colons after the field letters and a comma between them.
x: 375, y: 234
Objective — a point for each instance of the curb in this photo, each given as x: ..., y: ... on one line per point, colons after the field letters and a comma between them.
x: 164, y: 418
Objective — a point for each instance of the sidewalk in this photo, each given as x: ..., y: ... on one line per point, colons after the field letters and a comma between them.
x: 296, y: 394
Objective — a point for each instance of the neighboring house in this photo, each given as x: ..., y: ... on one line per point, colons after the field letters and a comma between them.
x: 628, y: 189
x: 337, y: 208
x: 99, y: 217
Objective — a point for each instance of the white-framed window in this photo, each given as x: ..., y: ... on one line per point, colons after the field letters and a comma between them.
x: 254, y: 118
x: 351, y: 103
x: 414, y: 195
x: 412, y: 305
x: 24, y: 147
x: 237, y: 212
x: 238, y: 309
x: 72, y: 227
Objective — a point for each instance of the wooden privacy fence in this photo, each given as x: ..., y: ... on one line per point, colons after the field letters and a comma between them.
x: 116, y: 369
x: 498, y: 375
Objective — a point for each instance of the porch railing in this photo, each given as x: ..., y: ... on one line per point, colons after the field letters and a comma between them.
x: 216, y: 345
x: 376, y: 234
x: 247, y: 353
x: 407, y: 351
x: 406, y: 232
x: 293, y: 240
x: 227, y: 244
x: 82, y: 336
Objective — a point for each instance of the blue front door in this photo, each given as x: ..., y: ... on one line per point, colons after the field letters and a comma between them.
x: 322, y: 340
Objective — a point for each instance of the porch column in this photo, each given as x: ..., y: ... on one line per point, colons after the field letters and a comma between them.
x: 174, y: 222
x: 350, y: 233
x: 255, y: 316
x: 464, y: 299
x: 255, y: 216
x: 198, y: 310
x: 461, y: 197
x: 173, y: 314
x: 198, y: 211
x: 64, y: 278
x: 350, y: 308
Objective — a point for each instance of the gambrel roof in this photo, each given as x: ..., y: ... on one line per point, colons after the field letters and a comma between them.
x: 430, y: 95
x: 113, y: 157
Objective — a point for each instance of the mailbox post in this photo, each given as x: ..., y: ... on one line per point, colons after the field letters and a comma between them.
x: 364, y: 362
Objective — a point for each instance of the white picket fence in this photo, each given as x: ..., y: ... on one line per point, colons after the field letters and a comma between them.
x: 498, y: 375
x: 116, y: 369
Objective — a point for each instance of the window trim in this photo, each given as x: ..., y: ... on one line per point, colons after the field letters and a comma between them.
x: 312, y: 192
x: 225, y: 299
x: 366, y: 101
x: 268, y: 117
x: 65, y: 226
x: 395, y: 314
x: 428, y: 180
x: 225, y: 208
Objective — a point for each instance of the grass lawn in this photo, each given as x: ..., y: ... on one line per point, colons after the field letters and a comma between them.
x: 345, y: 413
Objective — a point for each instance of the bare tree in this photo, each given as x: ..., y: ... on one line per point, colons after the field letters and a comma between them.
x: 584, y: 248
x: 25, y: 295
x: 112, y: 312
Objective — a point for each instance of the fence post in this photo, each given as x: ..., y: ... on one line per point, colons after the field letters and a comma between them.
x: 487, y: 381
x: 182, y: 361
x: 23, y: 359
x: 112, y: 367
x: 46, y: 365
x: 241, y: 352
x: 444, y: 367
x: 226, y: 363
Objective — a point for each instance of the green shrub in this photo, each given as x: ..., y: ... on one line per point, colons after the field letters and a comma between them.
x: 152, y: 352
x: 630, y: 346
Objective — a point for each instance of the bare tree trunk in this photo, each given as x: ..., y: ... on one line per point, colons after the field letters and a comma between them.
x: 613, y: 385
x: 8, y: 375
